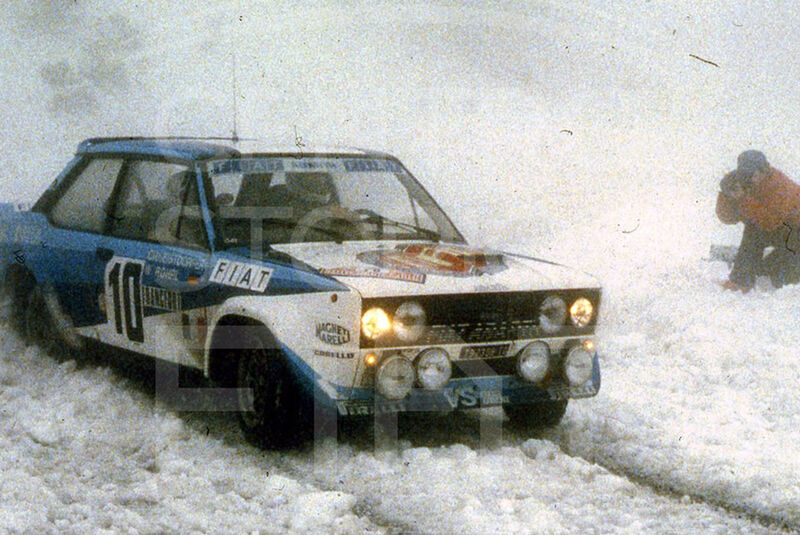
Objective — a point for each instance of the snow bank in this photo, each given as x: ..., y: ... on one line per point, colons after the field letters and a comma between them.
x: 699, y: 391
x: 83, y: 450
x: 530, y: 487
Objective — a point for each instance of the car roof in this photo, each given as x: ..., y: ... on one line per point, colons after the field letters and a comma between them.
x: 197, y: 148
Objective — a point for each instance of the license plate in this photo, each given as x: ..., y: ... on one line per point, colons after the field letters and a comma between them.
x: 485, y: 352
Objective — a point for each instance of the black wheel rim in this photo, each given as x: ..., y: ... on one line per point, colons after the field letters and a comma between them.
x: 261, y: 388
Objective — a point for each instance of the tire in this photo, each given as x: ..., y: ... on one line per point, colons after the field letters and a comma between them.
x: 536, y: 415
x: 273, y: 409
x: 18, y: 288
x: 39, y: 327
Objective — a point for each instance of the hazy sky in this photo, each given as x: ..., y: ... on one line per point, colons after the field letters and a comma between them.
x: 530, y: 101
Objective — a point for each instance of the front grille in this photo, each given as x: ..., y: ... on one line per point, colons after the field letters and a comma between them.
x: 475, y: 333
x: 483, y: 317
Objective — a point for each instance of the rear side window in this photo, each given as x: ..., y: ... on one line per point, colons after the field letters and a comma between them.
x: 84, y: 205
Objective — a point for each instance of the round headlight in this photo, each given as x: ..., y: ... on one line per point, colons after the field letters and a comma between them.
x: 578, y: 366
x: 375, y: 322
x: 408, y: 323
x: 581, y: 312
x: 394, y: 378
x: 552, y: 313
x: 433, y: 368
x: 533, y: 362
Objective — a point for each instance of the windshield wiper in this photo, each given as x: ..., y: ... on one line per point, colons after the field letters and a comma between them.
x: 380, y: 220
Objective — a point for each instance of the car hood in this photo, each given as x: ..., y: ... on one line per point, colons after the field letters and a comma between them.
x: 383, y: 269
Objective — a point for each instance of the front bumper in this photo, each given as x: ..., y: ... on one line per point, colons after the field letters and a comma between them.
x: 461, y: 393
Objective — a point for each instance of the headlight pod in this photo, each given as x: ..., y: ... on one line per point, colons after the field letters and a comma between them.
x: 433, y: 368
x: 580, y: 313
x: 394, y: 377
x: 578, y: 366
x: 533, y: 362
x: 409, y: 322
x: 375, y: 322
x: 552, y: 313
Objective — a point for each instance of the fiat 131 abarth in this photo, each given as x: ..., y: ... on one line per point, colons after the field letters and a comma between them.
x: 325, y: 278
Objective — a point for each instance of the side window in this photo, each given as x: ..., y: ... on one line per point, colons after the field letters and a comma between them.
x: 158, y: 202
x: 242, y: 199
x: 84, y: 205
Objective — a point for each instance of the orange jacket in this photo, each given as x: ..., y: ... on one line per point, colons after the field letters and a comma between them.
x: 771, y: 203
x: 727, y: 209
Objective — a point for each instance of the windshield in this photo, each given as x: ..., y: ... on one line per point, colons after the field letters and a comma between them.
x: 290, y: 199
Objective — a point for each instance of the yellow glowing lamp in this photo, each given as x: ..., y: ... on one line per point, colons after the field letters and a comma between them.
x: 375, y: 322
x: 581, y: 312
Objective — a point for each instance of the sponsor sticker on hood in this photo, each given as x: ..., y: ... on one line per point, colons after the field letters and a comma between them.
x: 373, y: 273
x: 435, y: 259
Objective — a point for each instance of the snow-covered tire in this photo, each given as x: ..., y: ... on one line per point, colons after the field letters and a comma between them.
x: 17, y: 289
x: 273, y: 409
x: 40, y: 328
x: 536, y: 415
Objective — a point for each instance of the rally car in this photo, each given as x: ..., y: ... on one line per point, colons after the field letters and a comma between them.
x: 294, y: 279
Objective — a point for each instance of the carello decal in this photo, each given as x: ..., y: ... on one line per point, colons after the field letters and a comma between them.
x: 334, y: 354
x: 333, y: 334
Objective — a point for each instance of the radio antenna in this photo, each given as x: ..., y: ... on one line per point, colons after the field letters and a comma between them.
x: 235, y: 136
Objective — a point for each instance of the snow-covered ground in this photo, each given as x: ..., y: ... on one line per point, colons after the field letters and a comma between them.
x: 84, y: 449
x: 596, y: 138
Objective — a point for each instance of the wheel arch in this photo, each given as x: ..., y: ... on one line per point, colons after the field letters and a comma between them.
x: 290, y: 321
x: 223, y: 340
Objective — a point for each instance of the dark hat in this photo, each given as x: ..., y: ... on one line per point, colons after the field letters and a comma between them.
x: 749, y: 163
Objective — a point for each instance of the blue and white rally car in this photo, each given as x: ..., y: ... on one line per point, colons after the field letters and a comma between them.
x: 294, y: 279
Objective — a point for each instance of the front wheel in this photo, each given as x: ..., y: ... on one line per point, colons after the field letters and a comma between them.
x: 272, y: 408
x: 536, y: 415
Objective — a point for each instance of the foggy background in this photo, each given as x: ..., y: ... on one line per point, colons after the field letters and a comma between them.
x: 532, y: 101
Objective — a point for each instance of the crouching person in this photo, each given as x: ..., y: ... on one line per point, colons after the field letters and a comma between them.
x: 768, y: 204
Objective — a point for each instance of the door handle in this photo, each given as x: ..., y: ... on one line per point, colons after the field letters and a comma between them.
x: 104, y: 254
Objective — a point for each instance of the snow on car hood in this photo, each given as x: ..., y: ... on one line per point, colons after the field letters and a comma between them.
x: 379, y: 269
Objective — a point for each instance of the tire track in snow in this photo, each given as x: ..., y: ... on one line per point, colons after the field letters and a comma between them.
x: 673, y: 417
x: 441, y: 439
x: 770, y: 522
x: 663, y: 489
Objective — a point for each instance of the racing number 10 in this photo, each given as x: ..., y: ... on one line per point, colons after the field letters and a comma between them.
x: 124, y: 281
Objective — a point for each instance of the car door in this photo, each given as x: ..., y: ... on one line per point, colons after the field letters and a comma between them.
x: 78, y: 216
x: 155, y: 256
